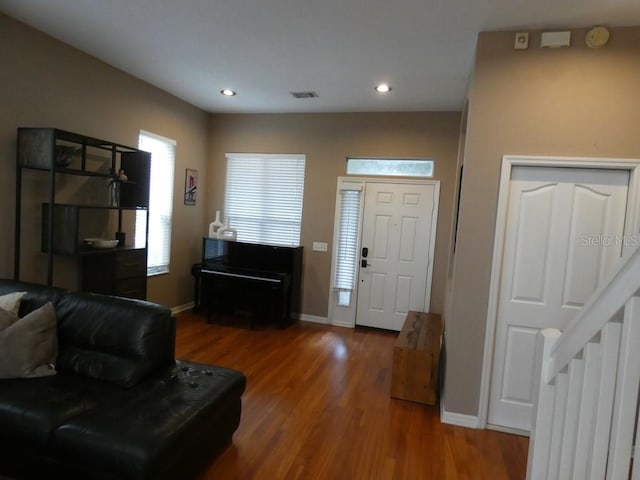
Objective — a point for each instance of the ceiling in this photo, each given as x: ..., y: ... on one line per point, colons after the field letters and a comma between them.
x: 265, y: 49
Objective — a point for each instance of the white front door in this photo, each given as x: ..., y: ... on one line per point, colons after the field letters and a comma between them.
x: 563, y: 235
x: 398, y: 232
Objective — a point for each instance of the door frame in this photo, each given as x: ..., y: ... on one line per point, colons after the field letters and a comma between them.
x: 631, y: 224
x: 346, y: 316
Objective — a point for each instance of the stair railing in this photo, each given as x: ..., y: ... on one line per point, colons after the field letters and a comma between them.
x: 585, y: 420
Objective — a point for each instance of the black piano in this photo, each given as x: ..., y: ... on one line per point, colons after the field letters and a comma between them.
x: 249, y: 278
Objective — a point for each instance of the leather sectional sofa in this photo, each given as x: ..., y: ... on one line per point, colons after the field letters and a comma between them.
x: 120, y: 406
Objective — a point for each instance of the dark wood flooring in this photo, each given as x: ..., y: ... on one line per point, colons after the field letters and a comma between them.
x: 317, y: 407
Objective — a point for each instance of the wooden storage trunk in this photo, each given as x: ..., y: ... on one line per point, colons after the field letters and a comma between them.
x: 416, y: 356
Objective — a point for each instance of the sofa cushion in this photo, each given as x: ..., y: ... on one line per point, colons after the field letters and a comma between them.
x: 114, y: 339
x: 28, y: 345
x: 7, y: 318
x: 11, y: 301
x: 146, y: 431
x: 31, y: 409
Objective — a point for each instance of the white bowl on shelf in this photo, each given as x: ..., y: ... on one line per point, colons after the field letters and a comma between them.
x: 100, y: 242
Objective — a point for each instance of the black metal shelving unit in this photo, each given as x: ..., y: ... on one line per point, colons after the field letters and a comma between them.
x: 38, y: 150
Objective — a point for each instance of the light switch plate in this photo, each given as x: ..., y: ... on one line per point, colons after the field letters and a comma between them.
x: 320, y: 246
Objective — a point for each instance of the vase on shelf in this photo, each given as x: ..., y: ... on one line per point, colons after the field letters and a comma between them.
x: 114, y: 193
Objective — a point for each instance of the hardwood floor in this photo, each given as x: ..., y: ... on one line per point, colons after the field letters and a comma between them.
x: 317, y: 407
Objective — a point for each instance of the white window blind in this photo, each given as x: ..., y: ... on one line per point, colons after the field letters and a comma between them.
x: 347, y: 253
x: 160, y: 202
x: 263, y: 197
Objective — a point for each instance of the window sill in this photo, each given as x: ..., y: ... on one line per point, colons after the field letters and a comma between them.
x: 156, y: 273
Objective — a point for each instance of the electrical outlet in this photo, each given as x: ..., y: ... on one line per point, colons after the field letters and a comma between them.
x: 320, y: 246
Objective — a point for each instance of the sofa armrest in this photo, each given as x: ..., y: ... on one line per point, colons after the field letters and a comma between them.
x: 114, y: 339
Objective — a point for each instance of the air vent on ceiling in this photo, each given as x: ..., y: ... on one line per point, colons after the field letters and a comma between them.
x: 304, y: 94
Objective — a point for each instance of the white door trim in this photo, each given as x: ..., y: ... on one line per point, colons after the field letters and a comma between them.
x: 508, y: 162
x: 349, y: 319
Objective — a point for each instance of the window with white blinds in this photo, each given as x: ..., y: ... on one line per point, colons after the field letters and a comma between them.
x: 347, y: 246
x: 263, y: 197
x: 160, y: 202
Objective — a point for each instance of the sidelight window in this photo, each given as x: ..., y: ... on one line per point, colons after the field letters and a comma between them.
x: 349, y: 198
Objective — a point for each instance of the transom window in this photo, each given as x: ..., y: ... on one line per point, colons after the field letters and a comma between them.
x: 397, y: 167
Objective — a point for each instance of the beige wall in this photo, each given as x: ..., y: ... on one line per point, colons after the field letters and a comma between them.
x: 567, y: 102
x: 327, y: 139
x: 46, y: 83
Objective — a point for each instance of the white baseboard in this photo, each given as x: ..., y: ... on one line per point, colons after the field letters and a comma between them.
x: 313, y: 319
x: 342, y: 324
x: 512, y: 431
x: 323, y: 320
x: 182, y: 308
x: 303, y: 316
x: 458, y: 419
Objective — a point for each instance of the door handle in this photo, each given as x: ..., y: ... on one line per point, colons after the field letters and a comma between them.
x: 363, y: 263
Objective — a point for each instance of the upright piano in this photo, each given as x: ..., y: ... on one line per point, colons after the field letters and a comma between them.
x: 239, y: 277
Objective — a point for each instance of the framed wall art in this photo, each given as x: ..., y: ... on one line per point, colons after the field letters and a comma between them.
x: 190, y: 186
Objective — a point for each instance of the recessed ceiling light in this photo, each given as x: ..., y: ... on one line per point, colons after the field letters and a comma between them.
x: 383, y: 88
x: 227, y: 92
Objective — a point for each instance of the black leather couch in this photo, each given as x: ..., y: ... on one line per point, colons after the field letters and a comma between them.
x: 120, y: 406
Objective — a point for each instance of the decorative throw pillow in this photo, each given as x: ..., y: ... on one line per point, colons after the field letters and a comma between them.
x: 29, y: 346
x: 11, y: 301
x: 6, y: 319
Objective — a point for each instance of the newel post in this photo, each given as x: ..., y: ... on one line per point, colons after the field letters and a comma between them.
x: 626, y: 396
x: 542, y: 420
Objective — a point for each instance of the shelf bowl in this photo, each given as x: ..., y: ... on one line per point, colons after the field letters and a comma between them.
x: 99, y: 242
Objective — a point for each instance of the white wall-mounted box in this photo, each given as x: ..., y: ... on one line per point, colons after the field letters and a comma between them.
x: 555, y: 39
